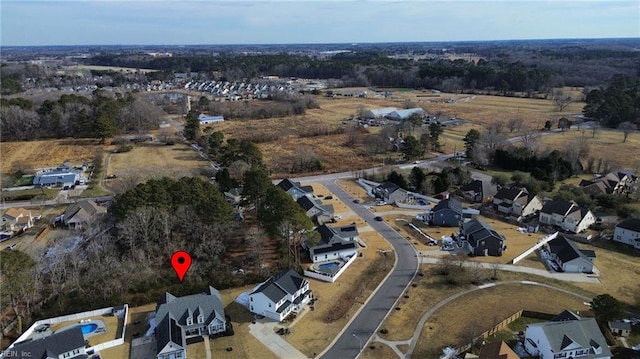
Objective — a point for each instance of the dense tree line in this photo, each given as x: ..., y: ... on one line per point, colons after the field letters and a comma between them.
x: 100, y: 116
x: 617, y: 103
x: 550, y: 168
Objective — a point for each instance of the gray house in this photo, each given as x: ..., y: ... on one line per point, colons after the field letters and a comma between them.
x: 335, y: 242
x: 79, y: 214
x: 447, y: 213
x: 294, y: 189
x: 315, y: 210
x: 179, y: 319
x: 482, y: 239
x: 57, y: 178
x: 65, y: 344
x: 478, y: 191
x: 569, y: 256
x: 391, y: 193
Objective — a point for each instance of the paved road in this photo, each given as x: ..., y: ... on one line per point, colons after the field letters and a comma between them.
x: 376, y: 308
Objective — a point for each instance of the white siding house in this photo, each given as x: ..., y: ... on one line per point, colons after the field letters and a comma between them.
x: 566, y: 215
x: 628, y: 232
x: 566, y: 339
x: 281, y: 295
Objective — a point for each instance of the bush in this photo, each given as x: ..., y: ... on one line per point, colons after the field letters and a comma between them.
x: 124, y: 148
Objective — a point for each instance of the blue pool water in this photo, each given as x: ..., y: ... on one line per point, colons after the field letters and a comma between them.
x: 88, y: 328
x: 331, y: 267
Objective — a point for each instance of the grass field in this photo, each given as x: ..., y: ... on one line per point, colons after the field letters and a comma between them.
x: 156, y: 161
x: 457, y: 322
x: 607, y: 144
x: 31, y: 155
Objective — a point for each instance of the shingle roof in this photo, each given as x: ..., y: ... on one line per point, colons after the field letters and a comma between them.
x: 333, y: 247
x: 281, y: 284
x: 619, y: 324
x: 286, y: 184
x: 208, y: 304
x: 450, y: 203
x: 306, y: 203
x: 584, y: 332
x: 53, y: 345
x: 511, y: 193
x: 82, y: 209
x: 632, y: 224
x: 497, y: 350
x: 565, y: 249
x: 558, y: 207
x: 565, y: 315
x: 16, y: 212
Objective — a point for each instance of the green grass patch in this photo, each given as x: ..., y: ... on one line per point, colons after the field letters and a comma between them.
x: 24, y: 181
x: 502, y: 336
x: 633, y: 339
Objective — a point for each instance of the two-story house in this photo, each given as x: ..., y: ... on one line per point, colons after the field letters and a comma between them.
x: 284, y: 293
x: 335, y: 242
x: 447, y: 212
x: 478, y: 191
x: 618, y: 182
x: 391, y: 193
x: 181, y: 318
x: 566, y: 339
x: 511, y: 200
x: 66, y: 344
x: 628, y: 232
x: 481, y: 239
x: 17, y: 219
x: 566, y: 215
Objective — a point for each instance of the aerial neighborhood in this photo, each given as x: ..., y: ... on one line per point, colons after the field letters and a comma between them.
x: 334, y: 200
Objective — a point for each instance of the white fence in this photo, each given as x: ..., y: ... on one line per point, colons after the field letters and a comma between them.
x: 77, y: 316
x: 542, y: 242
x: 412, y: 206
x: 325, y: 277
x: 368, y: 186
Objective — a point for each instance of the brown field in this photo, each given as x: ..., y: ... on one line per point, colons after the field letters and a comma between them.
x: 618, y: 275
x: 174, y: 161
x: 607, y: 145
x: 455, y: 323
x: 30, y: 155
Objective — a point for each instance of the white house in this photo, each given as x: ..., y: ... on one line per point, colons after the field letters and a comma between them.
x: 566, y: 339
x: 63, y: 344
x: 534, y: 205
x: 281, y: 295
x: 181, y: 318
x: 569, y: 257
x: 628, y: 232
x: 511, y: 200
x: 335, y: 242
x: 566, y: 215
x: 17, y: 219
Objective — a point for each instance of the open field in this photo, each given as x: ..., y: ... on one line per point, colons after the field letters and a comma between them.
x: 154, y: 160
x: 618, y: 275
x: 31, y: 155
x: 607, y: 144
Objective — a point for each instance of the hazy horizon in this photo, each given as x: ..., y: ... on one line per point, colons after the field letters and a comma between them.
x: 262, y: 22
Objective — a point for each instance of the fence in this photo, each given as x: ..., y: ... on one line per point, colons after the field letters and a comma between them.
x: 329, y: 277
x: 503, y: 324
x: 78, y: 316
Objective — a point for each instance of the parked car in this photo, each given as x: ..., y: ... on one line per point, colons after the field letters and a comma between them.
x: 378, y: 218
x: 328, y: 197
x: 356, y: 201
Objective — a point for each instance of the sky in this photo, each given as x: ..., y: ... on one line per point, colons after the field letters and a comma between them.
x: 192, y: 22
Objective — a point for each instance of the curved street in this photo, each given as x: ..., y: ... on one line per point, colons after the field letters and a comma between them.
x: 370, y: 316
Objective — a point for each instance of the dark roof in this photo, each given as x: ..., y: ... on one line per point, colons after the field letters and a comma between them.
x: 565, y: 249
x: 565, y: 315
x: 475, y: 186
x: 476, y: 230
x: 306, y: 203
x: 390, y: 187
x: 619, y: 324
x: 509, y: 193
x: 558, y: 207
x: 333, y: 247
x: 73, y: 209
x: 286, y: 184
x: 167, y: 330
x: 589, y: 253
x: 632, y: 224
x: 450, y: 203
x: 277, y: 287
x: 329, y: 234
x: 53, y: 345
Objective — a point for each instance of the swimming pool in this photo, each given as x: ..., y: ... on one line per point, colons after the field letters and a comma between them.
x: 329, y: 267
x: 89, y: 328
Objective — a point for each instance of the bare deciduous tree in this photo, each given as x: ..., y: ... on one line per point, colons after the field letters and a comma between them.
x: 531, y: 139
x: 514, y: 124
x: 626, y: 127
x: 561, y: 100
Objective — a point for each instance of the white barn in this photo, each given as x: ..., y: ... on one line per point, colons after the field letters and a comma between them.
x: 379, y: 112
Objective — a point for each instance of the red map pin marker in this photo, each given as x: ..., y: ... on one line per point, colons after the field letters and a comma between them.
x: 181, y: 261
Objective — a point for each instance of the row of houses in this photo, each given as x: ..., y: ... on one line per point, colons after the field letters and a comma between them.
x: 617, y: 182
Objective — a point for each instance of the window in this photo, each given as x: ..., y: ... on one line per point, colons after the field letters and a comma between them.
x: 252, y: 299
x: 269, y: 305
x: 189, y: 321
x: 200, y: 319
